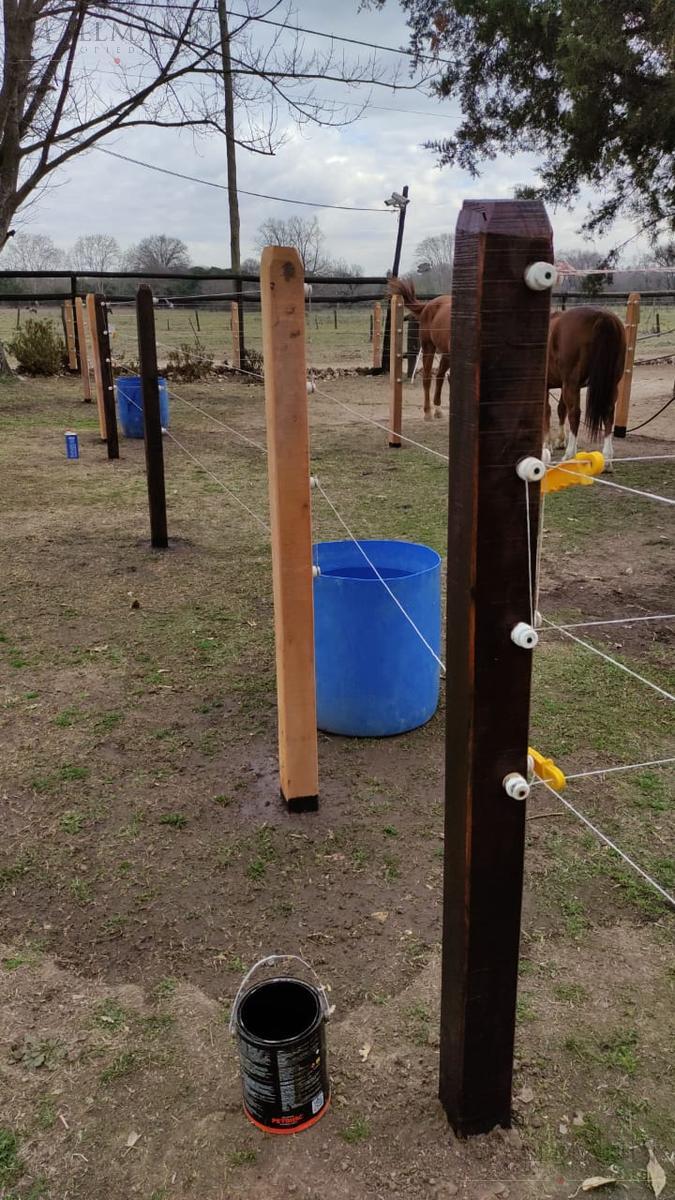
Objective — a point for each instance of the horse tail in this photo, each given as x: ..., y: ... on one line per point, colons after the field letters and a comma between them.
x: 605, y: 368
x: 406, y: 289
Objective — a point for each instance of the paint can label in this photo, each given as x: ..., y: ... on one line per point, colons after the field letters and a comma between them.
x: 72, y: 446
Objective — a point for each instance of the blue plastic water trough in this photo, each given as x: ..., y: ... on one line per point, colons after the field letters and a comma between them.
x: 130, y: 405
x: 374, y: 675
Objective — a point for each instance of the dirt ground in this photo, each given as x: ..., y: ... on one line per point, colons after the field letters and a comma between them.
x: 147, y: 861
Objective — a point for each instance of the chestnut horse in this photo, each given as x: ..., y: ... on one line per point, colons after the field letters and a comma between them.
x: 434, y: 323
x: 586, y: 348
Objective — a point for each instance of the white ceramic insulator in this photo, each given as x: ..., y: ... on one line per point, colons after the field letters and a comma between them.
x: 311, y: 387
x: 540, y: 275
x: 538, y: 619
x: 308, y: 291
x: 314, y: 481
x: 531, y: 469
x: 516, y: 786
x: 316, y: 571
x: 524, y: 636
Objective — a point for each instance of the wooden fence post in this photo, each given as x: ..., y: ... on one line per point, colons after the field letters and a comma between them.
x: 234, y: 326
x: 69, y: 326
x: 102, y: 337
x: 625, y: 384
x: 152, y: 424
x: 81, y: 327
x: 396, y: 371
x: 96, y: 363
x: 283, y: 320
x: 377, y: 334
x: 498, y: 370
x: 412, y: 345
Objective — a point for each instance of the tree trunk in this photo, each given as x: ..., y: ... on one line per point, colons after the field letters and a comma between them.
x: 231, y: 151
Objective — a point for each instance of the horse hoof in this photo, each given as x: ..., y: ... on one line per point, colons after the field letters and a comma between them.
x: 427, y: 416
x: 608, y: 468
x: 438, y: 414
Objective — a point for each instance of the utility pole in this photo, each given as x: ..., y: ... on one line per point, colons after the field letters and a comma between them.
x: 401, y: 203
x: 231, y: 151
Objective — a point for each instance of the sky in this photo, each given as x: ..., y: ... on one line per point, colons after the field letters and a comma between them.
x: 356, y: 165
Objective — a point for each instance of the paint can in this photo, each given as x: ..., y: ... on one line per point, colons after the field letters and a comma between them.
x: 72, y: 445
x: 280, y: 1028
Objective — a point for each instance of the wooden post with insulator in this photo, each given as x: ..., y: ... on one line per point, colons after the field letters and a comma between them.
x: 626, y: 381
x: 396, y: 371
x: 499, y: 343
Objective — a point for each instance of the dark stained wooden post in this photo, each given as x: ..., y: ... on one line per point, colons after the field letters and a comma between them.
x: 498, y: 372
x: 152, y: 424
x: 107, y: 382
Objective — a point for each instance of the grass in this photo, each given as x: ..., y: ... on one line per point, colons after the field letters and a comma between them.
x: 122, y: 1065
x: 81, y: 891
x: 357, y: 1131
x: 11, y: 1166
x: 242, y: 1158
x: 111, y: 1016
x: 72, y: 821
x: 175, y: 819
x: 165, y: 989
x: 616, y: 1050
x: 570, y: 993
x: 45, y: 1112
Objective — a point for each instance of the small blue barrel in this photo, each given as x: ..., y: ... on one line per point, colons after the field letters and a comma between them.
x: 130, y: 404
x: 374, y: 675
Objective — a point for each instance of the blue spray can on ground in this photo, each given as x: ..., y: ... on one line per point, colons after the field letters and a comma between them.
x: 72, y: 446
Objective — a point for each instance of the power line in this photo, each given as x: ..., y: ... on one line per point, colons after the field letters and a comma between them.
x: 222, y: 187
x: 333, y: 37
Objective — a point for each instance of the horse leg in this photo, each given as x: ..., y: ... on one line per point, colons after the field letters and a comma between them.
x: 562, y: 413
x: 441, y: 370
x: 571, y: 395
x: 427, y: 369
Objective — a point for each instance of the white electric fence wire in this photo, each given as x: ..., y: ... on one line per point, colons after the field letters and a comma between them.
x: 230, y: 493
x: 654, y: 762
x: 612, y: 846
x: 608, y: 658
x: 217, y: 421
x: 621, y: 487
x: 618, y: 621
x: 529, y: 551
x: 384, y: 583
x: 226, y: 489
x: 644, y: 458
x: 379, y: 425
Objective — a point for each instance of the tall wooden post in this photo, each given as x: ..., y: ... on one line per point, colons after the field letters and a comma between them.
x: 498, y: 370
x: 69, y: 326
x: 96, y: 363
x: 152, y: 424
x: 100, y: 332
x: 81, y: 327
x: 626, y: 382
x: 396, y: 372
x: 234, y: 326
x: 377, y: 333
x: 283, y: 318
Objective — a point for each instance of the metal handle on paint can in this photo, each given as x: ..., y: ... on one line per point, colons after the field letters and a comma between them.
x: 326, y: 1008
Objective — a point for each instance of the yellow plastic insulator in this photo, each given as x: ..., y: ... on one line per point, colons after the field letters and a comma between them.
x: 579, y: 469
x: 546, y: 769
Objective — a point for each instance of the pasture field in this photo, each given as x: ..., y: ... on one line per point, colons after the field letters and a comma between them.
x: 347, y: 345
x: 146, y: 860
